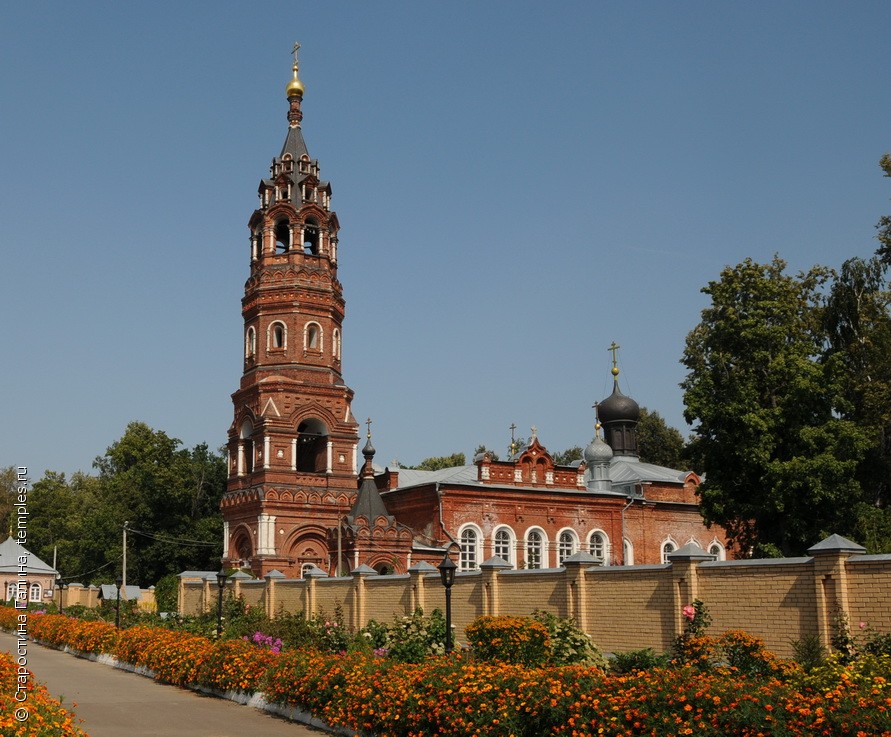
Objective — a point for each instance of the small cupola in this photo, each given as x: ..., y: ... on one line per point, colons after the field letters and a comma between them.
x: 619, y: 415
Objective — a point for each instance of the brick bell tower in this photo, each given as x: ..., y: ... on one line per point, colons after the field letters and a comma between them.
x: 292, y: 445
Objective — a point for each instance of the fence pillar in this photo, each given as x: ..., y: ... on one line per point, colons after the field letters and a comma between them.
x: 417, y: 575
x: 269, y: 595
x: 359, y: 576
x: 576, y: 566
x: 831, y: 583
x: 311, y: 575
x: 491, y: 570
x: 684, y: 571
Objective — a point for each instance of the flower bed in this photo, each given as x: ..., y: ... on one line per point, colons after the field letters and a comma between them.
x: 742, y: 691
x: 44, y: 716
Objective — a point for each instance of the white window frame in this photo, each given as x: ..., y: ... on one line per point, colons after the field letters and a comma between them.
x: 510, y: 557
x: 469, y: 558
x: 567, y: 544
x: 604, y: 545
x: 542, y: 545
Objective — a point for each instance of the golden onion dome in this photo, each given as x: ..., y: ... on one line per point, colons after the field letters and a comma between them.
x: 295, y: 86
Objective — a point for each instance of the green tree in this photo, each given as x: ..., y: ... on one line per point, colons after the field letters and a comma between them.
x: 779, y: 462
x: 657, y: 442
x: 8, y: 492
x: 436, y: 463
x: 480, y: 449
x: 168, y: 495
x: 565, y: 457
x: 884, y: 225
x: 857, y: 321
x: 63, y: 520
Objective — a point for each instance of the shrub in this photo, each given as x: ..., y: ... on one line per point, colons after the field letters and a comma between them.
x: 504, y: 639
x: 567, y: 644
x: 638, y: 660
x: 809, y: 652
x: 412, y: 639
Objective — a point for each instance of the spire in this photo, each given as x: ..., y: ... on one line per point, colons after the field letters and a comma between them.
x: 614, y: 349
x: 294, y: 92
x: 368, y: 502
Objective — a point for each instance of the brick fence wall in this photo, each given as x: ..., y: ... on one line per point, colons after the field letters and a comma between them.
x: 622, y: 607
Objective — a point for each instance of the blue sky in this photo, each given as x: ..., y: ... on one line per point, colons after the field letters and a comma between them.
x: 518, y: 185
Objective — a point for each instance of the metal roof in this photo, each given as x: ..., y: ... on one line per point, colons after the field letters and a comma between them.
x: 10, y: 551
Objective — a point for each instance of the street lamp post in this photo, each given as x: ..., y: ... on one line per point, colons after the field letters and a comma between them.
x: 118, y: 582
x: 447, y: 575
x: 221, y: 584
x: 62, y: 587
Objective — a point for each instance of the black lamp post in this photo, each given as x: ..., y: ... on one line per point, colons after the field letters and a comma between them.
x: 118, y: 582
x: 221, y: 584
x: 447, y: 574
x: 62, y: 587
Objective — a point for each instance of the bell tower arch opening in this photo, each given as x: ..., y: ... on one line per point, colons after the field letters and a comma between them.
x: 282, y: 235
x: 312, y: 446
x: 311, y: 237
x: 246, y: 448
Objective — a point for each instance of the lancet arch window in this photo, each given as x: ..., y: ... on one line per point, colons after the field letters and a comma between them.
x: 278, y: 336
x: 313, y: 337
x: 668, y: 547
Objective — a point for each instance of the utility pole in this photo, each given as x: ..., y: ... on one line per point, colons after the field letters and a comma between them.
x: 124, y: 565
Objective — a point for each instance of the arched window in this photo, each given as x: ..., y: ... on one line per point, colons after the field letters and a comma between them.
x: 277, y: 336
x: 250, y: 343
x: 668, y: 547
x: 311, y: 237
x: 313, y: 337
x: 470, y: 542
x: 567, y: 544
x: 246, y: 448
x: 10, y: 591
x: 628, y: 550
x: 597, y: 546
x: 312, y: 446
x: 282, y: 236
x: 504, y: 544
x: 306, y: 568
x: 534, y: 549
x: 35, y: 592
x: 717, y: 550
x: 335, y: 344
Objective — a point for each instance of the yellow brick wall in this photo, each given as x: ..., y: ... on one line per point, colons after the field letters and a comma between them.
x: 626, y: 608
x: 630, y: 608
x: 774, y: 601
x: 870, y: 578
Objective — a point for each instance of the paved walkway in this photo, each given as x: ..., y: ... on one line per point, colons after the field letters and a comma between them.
x: 113, y: 703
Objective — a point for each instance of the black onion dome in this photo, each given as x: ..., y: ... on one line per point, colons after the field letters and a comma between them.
x: 618, y: 408
x: 368, y: 451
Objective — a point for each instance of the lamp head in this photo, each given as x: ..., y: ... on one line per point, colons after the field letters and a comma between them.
x: 447, y: 570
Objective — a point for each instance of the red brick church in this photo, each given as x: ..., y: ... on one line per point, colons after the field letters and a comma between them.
x: 297, y: 496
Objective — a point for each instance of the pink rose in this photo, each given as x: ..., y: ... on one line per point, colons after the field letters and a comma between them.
x: 689, y: 612
x: 863, y: 625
